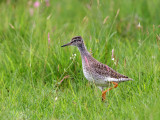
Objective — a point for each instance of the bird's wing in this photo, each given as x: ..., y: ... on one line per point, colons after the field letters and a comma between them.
x: 106, y: 71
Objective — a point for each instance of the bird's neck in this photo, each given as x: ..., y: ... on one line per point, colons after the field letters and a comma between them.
x: 83, y: 51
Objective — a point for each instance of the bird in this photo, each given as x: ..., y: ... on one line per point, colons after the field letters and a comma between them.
x: 96, y: 72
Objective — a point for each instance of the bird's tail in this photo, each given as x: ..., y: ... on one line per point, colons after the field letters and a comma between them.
x: 124, y: 79
x: 119, y: 79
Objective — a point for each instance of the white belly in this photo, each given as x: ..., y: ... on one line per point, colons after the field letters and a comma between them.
x: 87, y: 75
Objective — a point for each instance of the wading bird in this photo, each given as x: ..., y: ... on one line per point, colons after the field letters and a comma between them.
x: 94, y: 71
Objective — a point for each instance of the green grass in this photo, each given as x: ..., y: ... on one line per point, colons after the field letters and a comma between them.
x: 31, y: 69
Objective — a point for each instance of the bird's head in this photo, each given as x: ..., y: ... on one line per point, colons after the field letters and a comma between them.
x: 76, y: 41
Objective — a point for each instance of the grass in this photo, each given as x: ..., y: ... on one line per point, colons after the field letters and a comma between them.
x: 31, y: 68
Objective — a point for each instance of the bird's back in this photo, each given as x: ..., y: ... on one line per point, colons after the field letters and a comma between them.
x: 100, y: 73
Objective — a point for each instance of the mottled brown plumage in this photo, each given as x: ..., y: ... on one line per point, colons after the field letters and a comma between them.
x: 95, y: 71
x: 105, y: 70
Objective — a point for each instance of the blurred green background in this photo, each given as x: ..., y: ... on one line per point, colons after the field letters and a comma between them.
x: 33, y: 66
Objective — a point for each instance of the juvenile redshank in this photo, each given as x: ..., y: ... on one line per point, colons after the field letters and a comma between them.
x: 94, y: 71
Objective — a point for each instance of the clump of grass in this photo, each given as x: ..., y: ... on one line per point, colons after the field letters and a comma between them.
x: 39, y: 81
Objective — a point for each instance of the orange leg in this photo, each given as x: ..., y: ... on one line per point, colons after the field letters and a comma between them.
x: 104, y: 92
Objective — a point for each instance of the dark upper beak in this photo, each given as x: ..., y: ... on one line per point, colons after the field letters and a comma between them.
x: 66, y: 44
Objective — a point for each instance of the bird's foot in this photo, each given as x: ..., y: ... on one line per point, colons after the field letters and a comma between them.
x: 104, y: 92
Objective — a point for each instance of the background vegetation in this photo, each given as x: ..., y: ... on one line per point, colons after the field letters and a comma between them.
x: 34, y: 81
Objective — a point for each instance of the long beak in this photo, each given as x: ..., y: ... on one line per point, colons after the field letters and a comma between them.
x: 66, y: 44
